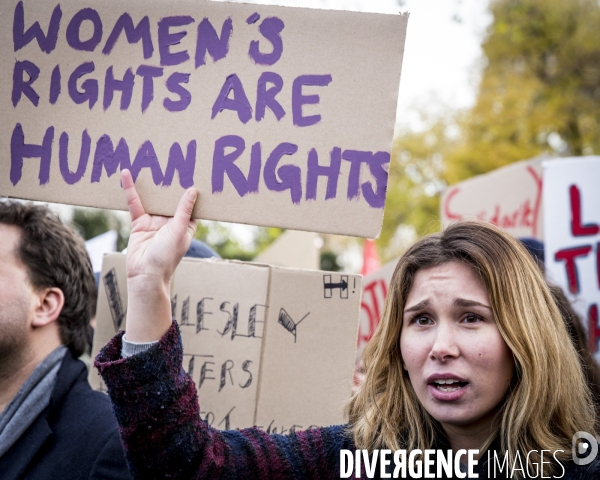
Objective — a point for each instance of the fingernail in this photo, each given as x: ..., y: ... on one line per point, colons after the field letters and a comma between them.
x: 192, y: 193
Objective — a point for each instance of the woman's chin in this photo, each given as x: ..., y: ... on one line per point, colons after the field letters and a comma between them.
x: 458, y: 414
x: 456, y: 418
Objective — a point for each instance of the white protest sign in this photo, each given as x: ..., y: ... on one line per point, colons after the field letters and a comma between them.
x: 266, y: 346
x: 510, y: 197
x: 278, y: 116
x: 98, y: 246
x: 572, y: 235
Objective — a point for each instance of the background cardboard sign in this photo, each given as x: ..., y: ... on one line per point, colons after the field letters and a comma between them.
x: 302, y: 244
x: 376, y: 286
x: 220, y: 308
x: 572, y: 235
x: 278, y: 116
x: 510, y: 197
x: 266, y: 346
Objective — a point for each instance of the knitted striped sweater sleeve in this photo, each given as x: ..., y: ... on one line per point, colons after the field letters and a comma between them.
x: 157, y: 408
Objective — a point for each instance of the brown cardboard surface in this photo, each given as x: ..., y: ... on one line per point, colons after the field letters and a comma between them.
x: 288, y: 360
x: 309, y: 349
x: 111, y: 308
x: 293, y: 249
x: 361, y: 52
x: 221, y: 307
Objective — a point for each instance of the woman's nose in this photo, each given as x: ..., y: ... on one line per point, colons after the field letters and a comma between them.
x: 445, y: 346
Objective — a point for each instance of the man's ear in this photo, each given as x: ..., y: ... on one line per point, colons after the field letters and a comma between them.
x: 50, y: 303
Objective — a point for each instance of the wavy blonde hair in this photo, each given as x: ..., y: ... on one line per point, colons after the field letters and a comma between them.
x: 548, y: 400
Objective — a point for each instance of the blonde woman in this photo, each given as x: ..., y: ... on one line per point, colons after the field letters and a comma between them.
x: 471, y: 354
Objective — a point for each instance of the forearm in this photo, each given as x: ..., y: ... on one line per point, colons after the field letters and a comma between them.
x: 147, y: 299
x: 156, y: 406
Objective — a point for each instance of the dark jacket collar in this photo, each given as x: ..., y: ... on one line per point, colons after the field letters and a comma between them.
x: 71, y: 372
x: 18, y: 457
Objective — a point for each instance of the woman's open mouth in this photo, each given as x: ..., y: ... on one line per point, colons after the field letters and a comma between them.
x: 447, y: 389
x: 448, y: 385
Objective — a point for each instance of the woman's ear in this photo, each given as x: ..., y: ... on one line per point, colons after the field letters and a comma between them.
x: 50, y: 303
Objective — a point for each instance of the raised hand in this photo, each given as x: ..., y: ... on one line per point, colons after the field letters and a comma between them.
x: 156, y: 246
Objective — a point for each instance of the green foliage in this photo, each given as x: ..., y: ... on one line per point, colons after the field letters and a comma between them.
x: 540, y: 90
x: 329, y: 261
x: 266, y: 236
x: 91, y: 222
x: 416, y: 178
x: 219, y: 236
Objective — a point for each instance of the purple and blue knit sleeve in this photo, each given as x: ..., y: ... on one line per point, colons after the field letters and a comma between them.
x: 157, y: 408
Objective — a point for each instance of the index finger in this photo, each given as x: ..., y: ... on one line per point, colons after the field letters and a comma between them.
x: 136, y: 209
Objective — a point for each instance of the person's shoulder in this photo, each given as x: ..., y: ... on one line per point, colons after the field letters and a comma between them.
x: 72, y: 380
x: 94, y: 404
x: 78, y: 408
x: 85, y: 435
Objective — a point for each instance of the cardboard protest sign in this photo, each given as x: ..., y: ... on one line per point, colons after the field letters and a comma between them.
x: 220, y: 309
x: 572, y: 235
x: 319, y: 313
x: 265, y: 345
x: 279, y: 116
x: 510, y: 197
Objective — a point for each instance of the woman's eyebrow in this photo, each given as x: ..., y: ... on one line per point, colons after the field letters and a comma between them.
x: 418, y: 306
x: 463, y: 302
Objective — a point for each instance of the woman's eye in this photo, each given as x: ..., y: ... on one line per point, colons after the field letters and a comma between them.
x: 421, y: 320
x: 472, y: 318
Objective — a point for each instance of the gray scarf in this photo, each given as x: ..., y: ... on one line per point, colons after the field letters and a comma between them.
x: 31, y: 400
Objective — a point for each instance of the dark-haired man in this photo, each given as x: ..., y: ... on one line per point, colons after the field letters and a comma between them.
x: 52, y: 425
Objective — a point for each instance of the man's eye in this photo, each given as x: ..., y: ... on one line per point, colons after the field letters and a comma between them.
x: 472, y: 318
